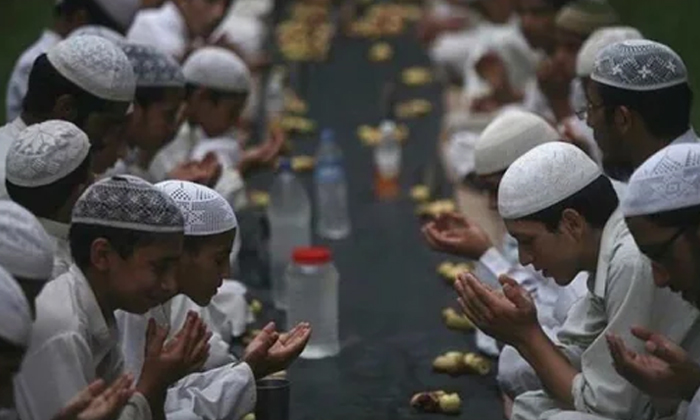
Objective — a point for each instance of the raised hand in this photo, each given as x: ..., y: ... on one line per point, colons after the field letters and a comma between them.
x: 666, y: 371
x: 271, y: 352
x: 99, y: 402
x: 509, y: 316
x: 166, y: 363
x: 455, y: 234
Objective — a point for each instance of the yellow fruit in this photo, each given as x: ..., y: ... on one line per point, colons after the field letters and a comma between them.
x: 450, y: 403
x: 303, y: 163
x: 456, y: 321
x: 420, y: 192
x: 255, y: 307
x: 381, y: 52
x: 260, y: 198
x: 477, y: 364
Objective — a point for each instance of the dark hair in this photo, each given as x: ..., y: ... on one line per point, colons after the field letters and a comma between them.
x: 96, y: 15
x: 557, y: 4
x: 46, y: 85
x: 46, y: 200
x: 666, y: 112
x: 214, y: 95
x: 685, y: 217
x: 147, y: 96
x: 596, y: 203
x: 124, y: 241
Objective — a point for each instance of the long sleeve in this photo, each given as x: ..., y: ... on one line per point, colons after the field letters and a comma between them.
x: 226, y: 392
x: 629, y: 301
x: 51, y: 375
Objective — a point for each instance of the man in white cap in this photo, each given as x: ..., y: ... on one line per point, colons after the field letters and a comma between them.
x: 178, y: 25
x: 507, y: 138
x: 48, y: 168
x: 500, y: 67
x: 662, y: 210
x: 574, y: 127
x: 639, y: 101
x: 218, y: 85
x: 69, y: 15
x: 159, y: 106
x: 554, y: 94
x: 126, y: 237
x: 26, y: 250
x: 225, y: 388
x: 564, y: 213
x: 86, y: 80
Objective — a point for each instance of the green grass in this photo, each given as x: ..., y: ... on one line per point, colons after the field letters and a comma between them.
x: 669, y: 21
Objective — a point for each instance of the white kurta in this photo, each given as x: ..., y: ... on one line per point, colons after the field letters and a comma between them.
x: 8, y: 133
x: 62, y: 258
x: 176, y: 152
x: 621, y: 294
x: 19, y: 80
x: 72, y: 344
x: 515, y: 375
x: 225, y: 389
x: 163, y: 28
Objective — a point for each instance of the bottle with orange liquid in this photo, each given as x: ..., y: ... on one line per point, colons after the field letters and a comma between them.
x: 387, y: 162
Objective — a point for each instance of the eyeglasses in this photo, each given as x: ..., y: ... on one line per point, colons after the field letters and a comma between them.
x: 582, y: 113
x: 657, y: 252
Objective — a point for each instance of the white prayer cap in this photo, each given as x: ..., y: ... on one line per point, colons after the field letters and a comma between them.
x: 101, y: 31
x: 542, y: 177
x: 16, y: 325
x: 639, y: 65
x: 128, y: 202
x: 599, y: 40
x: 669, y: 180
x: 152, y: 67
x: 205, y: 211
x: 584, y: 17
x: 122, y: 12
x: 508, y: 137
x: 96, y: 65
x: 217, y: 68
x: 46, y: 152
x: 26, y: 250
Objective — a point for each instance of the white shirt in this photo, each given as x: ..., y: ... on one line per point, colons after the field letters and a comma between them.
x: 621, y: 294
x: 224, y: 389
x: 72, y: 344
x: 688, y: 137
x: 62, y: 258
x: 8, y: 133
x: 17, y: 86
x: 163, y: 28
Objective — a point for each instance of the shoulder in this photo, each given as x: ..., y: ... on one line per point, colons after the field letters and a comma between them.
x: 57, y: 312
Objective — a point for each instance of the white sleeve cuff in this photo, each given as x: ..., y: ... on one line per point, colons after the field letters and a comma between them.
x: 136, y: 409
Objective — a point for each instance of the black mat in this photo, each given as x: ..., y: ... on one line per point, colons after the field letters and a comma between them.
x: 390, y: 296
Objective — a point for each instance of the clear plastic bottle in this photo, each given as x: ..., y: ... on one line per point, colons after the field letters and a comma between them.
x: 332, y: 216
x: 313, y: 283
x: 289, y: 214
x: 387, y: 162
x: 275, y: 93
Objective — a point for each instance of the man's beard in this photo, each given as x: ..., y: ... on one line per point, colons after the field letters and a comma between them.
x: 618, y: 171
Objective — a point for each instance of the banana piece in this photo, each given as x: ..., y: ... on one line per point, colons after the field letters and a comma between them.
x: 437, y: 402
x: 260, y: 199
x: 303, y: 163
x: 255, y: 307
x: 416, y: 76
x: 420, y: 193
x: 381, y: 51
x: 456, y: 321
x: 477, y: 364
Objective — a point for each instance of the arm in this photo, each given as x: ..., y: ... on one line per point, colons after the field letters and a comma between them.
x: 52, y: 375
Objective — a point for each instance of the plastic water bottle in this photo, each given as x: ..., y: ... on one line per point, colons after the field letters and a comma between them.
x: 289, y: 214
x: 387, y: 162
x: 332, y: 218
x: 313, y: 297
x: 275, y: 93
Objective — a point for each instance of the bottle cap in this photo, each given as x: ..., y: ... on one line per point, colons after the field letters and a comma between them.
x: 311, y: 255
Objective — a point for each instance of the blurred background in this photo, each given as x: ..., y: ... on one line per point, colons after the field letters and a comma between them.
x: 673, y: 22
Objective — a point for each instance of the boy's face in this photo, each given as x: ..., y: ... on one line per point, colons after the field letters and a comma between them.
x: 537, y: 23
x: 107, y: 129
x: 201, y: 271
x: 555, y: 254
x: 146, y: 278
x: 215, y: 117
x: 10, y: 361
x: 155, y: 125
x: 202, y: 16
